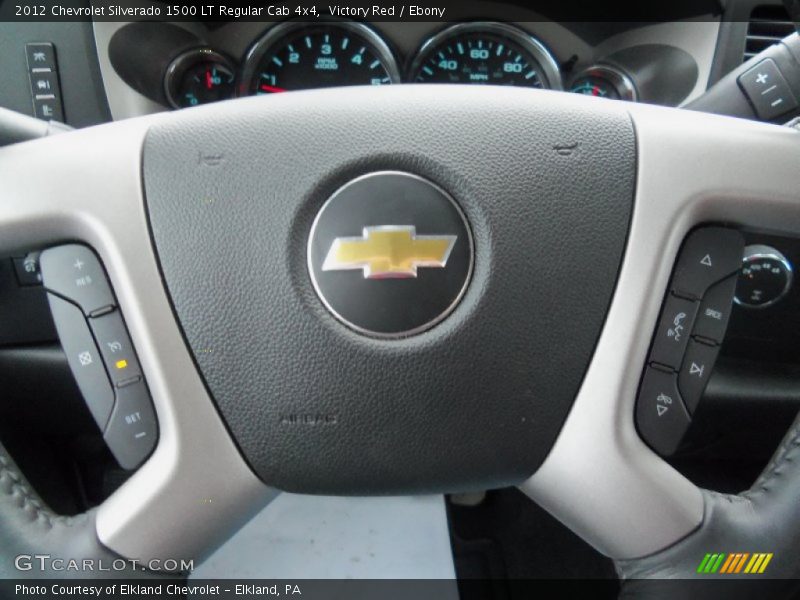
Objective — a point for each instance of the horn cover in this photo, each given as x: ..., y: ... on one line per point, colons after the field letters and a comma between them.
x: 546, y: 182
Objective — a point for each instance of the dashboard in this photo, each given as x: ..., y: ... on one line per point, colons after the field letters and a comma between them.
x: 190, y: 64
x: 300, y: 55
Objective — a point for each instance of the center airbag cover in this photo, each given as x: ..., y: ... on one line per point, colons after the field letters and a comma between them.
x: 472, y: 400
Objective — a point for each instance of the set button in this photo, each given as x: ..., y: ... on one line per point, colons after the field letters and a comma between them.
x: 132, y: 429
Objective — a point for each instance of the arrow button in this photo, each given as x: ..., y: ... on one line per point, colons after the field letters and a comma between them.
x: 708, y: 255
x: 696, y: 372
x: 661, y: 417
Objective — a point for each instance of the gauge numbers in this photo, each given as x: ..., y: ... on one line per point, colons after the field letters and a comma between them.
x: 485, y: 53
x: 297, y: 56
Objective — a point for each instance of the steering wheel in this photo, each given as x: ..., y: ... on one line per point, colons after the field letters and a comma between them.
x: 512, y: 357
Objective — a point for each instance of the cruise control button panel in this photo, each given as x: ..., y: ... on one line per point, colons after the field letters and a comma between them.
x: 686, y: 342
x: 99, y: 351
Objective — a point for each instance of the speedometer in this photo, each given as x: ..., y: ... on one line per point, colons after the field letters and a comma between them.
x: 485, y: 53
x: 296, y: 56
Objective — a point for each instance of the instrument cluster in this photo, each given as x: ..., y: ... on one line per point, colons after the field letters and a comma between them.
x: 296, y: 55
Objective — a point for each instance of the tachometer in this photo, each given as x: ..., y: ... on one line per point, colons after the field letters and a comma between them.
x: 485, y: 53
x: 296, y: 56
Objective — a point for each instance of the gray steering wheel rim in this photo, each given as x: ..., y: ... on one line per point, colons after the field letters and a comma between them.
x: 617, y: 494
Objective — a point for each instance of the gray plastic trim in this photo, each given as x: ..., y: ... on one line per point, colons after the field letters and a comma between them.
x: 123, y: 100
x: 600, y: 479
x: 195, y: 490
x: 696, y: 37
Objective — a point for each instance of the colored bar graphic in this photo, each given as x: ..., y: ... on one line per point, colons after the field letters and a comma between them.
x: 712, y: 558
x: 764, y: 564
x: 703, y: 563
x: 740, y: 564
x: 726, y: 568
x: 734, y: 563
x: 717, y: 563
x: 754, y: 563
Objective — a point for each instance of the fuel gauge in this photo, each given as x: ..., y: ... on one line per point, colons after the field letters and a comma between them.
x: 603, y: 81
x: 198, y: 77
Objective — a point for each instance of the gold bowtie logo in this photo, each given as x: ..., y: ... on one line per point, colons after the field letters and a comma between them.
x: 389, y: 251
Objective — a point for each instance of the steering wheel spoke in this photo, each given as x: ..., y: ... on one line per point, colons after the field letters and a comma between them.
x: 693, y: 168
x: 86, y: 186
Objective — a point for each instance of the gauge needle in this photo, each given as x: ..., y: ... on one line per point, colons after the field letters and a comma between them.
x: 272, y: 88
x: 209, y: 81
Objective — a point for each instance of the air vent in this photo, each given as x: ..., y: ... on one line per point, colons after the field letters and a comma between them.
x: 768, y: 24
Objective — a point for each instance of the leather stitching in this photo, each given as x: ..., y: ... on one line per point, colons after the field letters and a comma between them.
x: 783, y: 462
x: 15, y: 487
x: 784, y: 456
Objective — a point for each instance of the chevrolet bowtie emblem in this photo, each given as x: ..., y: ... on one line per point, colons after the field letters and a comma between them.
x: 389, y: 251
